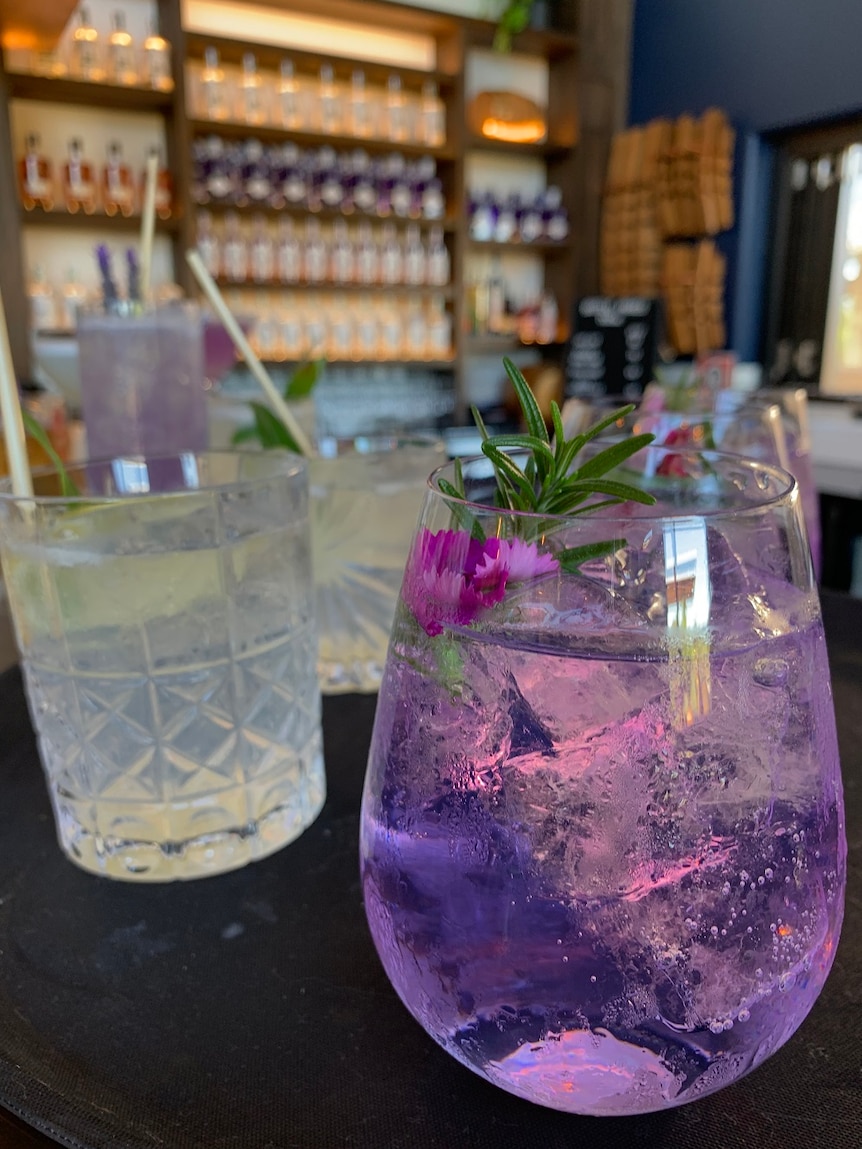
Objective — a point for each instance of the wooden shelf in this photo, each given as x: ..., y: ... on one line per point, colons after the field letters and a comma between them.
x: 540, y: 247
x: 308, y: 63
x: 546, y: 43
x: 107, y: 97
x: 548, y: 150
x: 98, y: 221
x: 338, y: 288
x: 36, y: 24
x: 230, y: 130
x: 500, y: 344
x: 448, y: 224
x: 432, y: 364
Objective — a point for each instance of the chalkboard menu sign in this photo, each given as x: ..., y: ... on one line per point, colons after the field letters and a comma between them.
x: 613, y: 346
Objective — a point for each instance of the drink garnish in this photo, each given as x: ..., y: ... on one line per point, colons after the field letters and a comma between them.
x: 35, y: 431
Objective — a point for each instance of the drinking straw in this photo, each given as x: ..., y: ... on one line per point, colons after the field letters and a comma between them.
x: 148, y: 222
x: 10, y: 411
x: 211, y: 291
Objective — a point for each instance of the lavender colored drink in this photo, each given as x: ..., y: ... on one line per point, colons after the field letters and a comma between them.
x: 604, y: 863
x: 142, y: 382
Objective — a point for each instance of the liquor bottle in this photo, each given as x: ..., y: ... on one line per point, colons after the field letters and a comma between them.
x: 555, y: 218
x: 341, y: 336
x: 367, y: 343
x: 331, y: 181
x: 252, y: 105
x: 234, y: 250
x: 400, y: 190
x: 437, y: 266
x: 261, y: 252
x: 213, y: 89
x: 80, y: 192
x: 360, y: 116
x: 73, y: 297
x: 496, y: 300
x: 118, y: 187
x: 157, y: 62
x: 288, y: 253
x: 390, y: 257
x: 390, y: 332
x: 267, y: 329
x: 86, y: 50
x: 121, y: 53
x: 208, y: 244
x: 316, y: 332
x: 43, y: 310
x: 530, y: 224
x: 341, y: 256
x: 416, y: 331
x: 395, y: 109
x: 362, y: 181
x: 297, y: 176
x: 367, y: 263
x: 506, y: 223
x: 414, y: 257
x: 439, y: 330
x: 314, y: 253
x: 433, y: 203
x: 328, y: 102
x: 483, y: 218
x: 256, y: 184
x: 291, y: 330
x: 35, y: 178
x: 289, y: 97
x: 164, y: 188
x: 432, y: 117
x: 383, y: 184
x: 548, y: 319
x: 220, y: 176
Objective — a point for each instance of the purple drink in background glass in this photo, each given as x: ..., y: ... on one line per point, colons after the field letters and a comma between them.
x: 142, y: 381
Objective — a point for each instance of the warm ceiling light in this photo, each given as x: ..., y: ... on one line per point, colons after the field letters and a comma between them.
x: 507, y: 116
x: 526, y: 132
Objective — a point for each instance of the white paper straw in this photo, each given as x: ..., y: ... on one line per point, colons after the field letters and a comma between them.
x: 211, y: 291
x: 10, y: 412
x: 148, y: 223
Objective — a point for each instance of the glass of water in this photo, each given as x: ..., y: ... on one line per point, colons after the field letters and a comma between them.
x: 166, y: 624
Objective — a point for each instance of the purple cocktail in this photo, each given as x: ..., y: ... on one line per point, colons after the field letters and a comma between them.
x: 602, y: 835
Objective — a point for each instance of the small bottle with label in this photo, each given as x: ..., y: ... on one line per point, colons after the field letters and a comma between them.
x: 267, y: 330
x: 414, y: 257
x: 288, y: 253
x: 208, y: 244
x: 234, y: 250
x: 432, y: 117
x: 252, y: 105
x: 438, y: 264
x: 261, y: 252
x: 530, y: 223
x: 73, y: 297
x: 220, y: 176
x: 433, y: 203
x: 367, y: 343
x: 297, y: 177
x: 157, y: 62
x: 291, y: 330
x: 548, y: 319
x: 86, y: 50
x: 80, y: 192
x: 396, y: 117
x: 121, y: 53
x: 331, y: 180
x: 483, y: 219
x: 555, y: 218
x: 391, y: 259
x: 415, y: 329
x: 35, y: 177
x: 390, y: 331
x: 214, y: 103
x: 439, y: 330
x: 316, y: 332
x: 341, y: 254
x: 328, y: 101
x: 118, y: 186
x: 341, y: 337
x: 400, y: 189
x: 164, y: 188
x: 43, y: 306
x: 362, y: 181
x: 289, y: 97
x: 314, y: 254
x: 506, y: 223
x: 360, y: 114
x: 367, y: 262
x: 496, y: 300
x: 255, y: 180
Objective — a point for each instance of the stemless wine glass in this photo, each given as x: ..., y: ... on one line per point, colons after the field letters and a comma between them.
x: 602, y: 841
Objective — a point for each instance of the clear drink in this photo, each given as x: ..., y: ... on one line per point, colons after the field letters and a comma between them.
x: 142, y: 381
x: 168, y: 648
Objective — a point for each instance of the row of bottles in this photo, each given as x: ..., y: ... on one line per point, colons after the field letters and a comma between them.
x: 517, y: 220
x: 115, y: 189
x: 283, y: 99
x: 286, y: 254
x: 339, y: 327
x: 491, y: 310
x: 112, y: 58
x: 52, y: 307
x: 249, y: 174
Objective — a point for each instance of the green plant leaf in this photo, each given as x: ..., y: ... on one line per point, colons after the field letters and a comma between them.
x: 613, y: 456
x: 244, y: 435
x: 559, y: 429
x: 513, y: 475
x: 608, y: 421
x: 270, y: 429
x: 304, y: 379
x: 461, y: 514
x: 35, y: 430
x: 529, y: 406
x: 572, y: 558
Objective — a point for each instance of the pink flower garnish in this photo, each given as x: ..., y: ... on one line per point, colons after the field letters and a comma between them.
x: 451, y: 577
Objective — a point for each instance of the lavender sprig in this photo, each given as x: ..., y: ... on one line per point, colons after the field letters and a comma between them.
x: 134, y: 277
x: 110, y: 296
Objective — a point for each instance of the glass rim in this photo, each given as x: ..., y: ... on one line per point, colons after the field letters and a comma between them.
x: 787, y: 485
x: 292, y: 465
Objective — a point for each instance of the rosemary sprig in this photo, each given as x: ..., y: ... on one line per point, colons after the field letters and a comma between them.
x: 35, y: 430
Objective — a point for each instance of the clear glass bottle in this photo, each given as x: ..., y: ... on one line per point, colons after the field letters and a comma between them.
x: 288, y: 252
x: 439, y: 330
x: 86, y: 50
x: 35, y: 177
x: 208, y: 244
x: 555, y: 218
x: 331, y: 180
x: 261, y: 252
x: 433, y: 202
x: 416, y: 331
x: 315, y: 259
x: 252, y: 102
x: 396, y: 113
x: 255, y: 179
x: 530, y: 224
x: 267, y: 329
x: 438, y: 263
x: 121, y: 53
x: 506, y: 223
x: 297, y: 176
x: 316, y: 331
x: 328, y: 102
x: 342, y: 268
x: 390, y: 256
x: 80, y: 191
x: 234, y: 250
x: 214, y: 103
x: 548, y: 320
x: 432, y: 117
x: 360, y: 107
x: 118, y: 185
x: 157, y: 62
x: 415, y: 260
x: 291, y: 328
x: 364, y: 191
x: 341, y: 335
x: 42, y: 302
x: 367, y: 344
x: 400, y: 189
x: 164, y: 188
x: 496, y: 300
x: 73, y: 297
x: 220, y: 182
x: 290, y: 102
x: 390, y: 332
x: 367, y: 262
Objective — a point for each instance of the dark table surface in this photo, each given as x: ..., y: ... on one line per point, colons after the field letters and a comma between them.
x: 250, y: 1011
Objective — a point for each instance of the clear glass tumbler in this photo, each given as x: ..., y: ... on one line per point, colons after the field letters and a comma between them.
x: 365, y: 495
x: 602, y: 835
x: 142, y: 381
x: 166, y: 624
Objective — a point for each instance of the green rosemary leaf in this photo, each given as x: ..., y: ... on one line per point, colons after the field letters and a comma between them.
x: 243, y: 435
x: 465, y: 518
x: 559, y: 429
x: 613, y: 456
x: 529, y: 406
x: 608, y: 421
x: 625, y: 492
x: 513, y: 476
x: 270, y: 429
x: 459, y: 478
x: 542, y: 455
x: 572, y: 558
x: 480, y: 423
x: 35, y: 430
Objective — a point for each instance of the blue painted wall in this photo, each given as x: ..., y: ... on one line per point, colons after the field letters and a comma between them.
x: 770, y: 64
